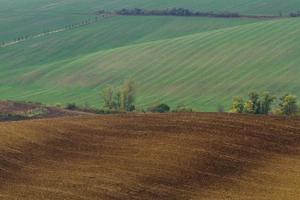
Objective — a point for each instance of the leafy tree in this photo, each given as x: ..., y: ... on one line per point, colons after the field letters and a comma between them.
x: 249, y: 107
x: 288, y: 104
x: 254, y: 98
x: 120, y: 99
x: 108, y: 98
x: 237, y: 105
x: 128, y: 95
x: 259, y: 104
x: 266, y: 102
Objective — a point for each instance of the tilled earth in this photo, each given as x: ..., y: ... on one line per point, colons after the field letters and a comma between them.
x: 151, y: 156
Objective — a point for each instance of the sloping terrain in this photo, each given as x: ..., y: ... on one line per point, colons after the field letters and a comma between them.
x: 151, y: 156
x: 20, y: 18
x: 201, y: 70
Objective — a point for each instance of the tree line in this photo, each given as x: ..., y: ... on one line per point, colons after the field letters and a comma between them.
x: 122, y: 99
x: 183, y: 12
x: 176, y: 12
x: 263, y: 104
x: 170, y: 12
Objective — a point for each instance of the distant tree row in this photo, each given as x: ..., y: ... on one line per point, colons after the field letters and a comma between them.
x: 185, y: 12
x: 122, y: 99
x: 172, y: 12
x: 262, y: 104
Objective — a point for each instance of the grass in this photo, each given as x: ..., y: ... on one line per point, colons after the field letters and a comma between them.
x: 201, y: 70
x: 21, y: 18
x: 151, y: 156
x: 21, y: 64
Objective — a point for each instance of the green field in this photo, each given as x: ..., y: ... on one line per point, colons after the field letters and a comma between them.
x: 202, y: 63
x: 22, y: 18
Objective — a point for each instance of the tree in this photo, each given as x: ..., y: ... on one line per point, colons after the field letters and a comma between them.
x: 254, y: 98
x: 266, y: 102
x: 107, y: 96
x: 288, y: 104
x: 127, y: 96
x: 237, y: 105
x: 249, y: 107
x: 121, y: 99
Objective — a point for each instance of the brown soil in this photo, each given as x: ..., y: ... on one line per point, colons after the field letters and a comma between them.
x: 151, y: 156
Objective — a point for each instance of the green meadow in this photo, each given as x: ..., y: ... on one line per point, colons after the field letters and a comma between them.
x: 20, y: 18
x: 199, y: 62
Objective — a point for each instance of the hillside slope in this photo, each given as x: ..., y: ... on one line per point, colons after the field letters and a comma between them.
x: 201, y: 70
x: 150, y: 156
x: 106, y: 34
x: 22, y: 18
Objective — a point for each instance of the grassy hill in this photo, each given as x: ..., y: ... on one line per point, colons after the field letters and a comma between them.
x: 22, y: 64
x: 201, y: 70
x: 21, y: 18
x: 184, y: 156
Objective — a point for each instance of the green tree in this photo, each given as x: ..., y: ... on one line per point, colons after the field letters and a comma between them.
x: 237, y: 105
x: 254, y: 98
x: 288, y: 104
x: 249, y: 107
x: 107, y: 96
x: 266, y: 102
x: 127, y: 96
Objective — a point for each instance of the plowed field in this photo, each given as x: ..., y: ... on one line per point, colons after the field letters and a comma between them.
x: 151, y: 156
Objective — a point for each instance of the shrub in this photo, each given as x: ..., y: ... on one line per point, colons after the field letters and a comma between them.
x: 71, y: 106
x: 182, y: 108
x: 161, y: 108
x: 36, y: 112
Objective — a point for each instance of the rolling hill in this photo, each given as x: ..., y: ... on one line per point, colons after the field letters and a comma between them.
x: 151, y: 156
x: 201, y: 69
x: 42, y: 15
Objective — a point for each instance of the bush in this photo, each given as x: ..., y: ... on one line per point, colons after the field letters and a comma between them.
x: 161, y: 108
x: 182, y: 108
x: 36, y: 112
x: 71, y: 106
